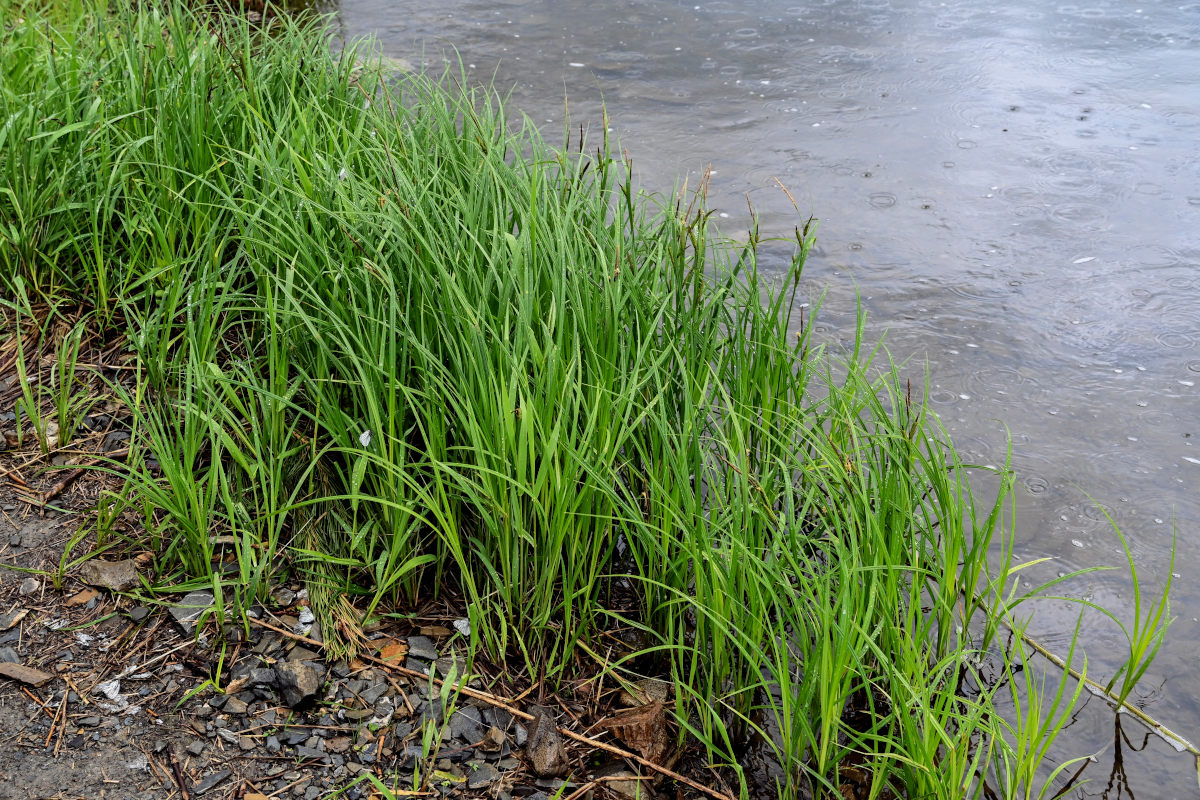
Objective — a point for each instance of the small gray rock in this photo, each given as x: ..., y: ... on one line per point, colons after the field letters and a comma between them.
x: 465, y: 725
x: 29, y: 585
x: 498, y: 717
x: 409, y: 756
x: 116, y: 576
x: 283, y: 596
x: 481, y: 775
x: 302, y: 654
x: 262, y: 676
x: 196, y: 747
x: 297, y: 681
x: 234, y: 705
x: 373, y: 693
x: 188, y: 611
x: 8, y: 655
x: 308, y: 752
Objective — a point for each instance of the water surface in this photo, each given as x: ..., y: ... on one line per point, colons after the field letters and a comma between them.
x: 1014, y: 190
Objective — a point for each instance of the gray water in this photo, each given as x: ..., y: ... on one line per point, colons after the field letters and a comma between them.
x: 1014, y: 191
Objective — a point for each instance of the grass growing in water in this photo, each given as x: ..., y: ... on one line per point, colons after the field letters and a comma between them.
x: 388, y: 339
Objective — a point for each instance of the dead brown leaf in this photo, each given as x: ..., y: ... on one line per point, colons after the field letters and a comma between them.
x: 394, y: 651
x: 643, y: 729
x: 82, y: 597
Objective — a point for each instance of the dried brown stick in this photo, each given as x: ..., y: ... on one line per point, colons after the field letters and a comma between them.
x: 58, y: 488
x: 14, y: 471
x: 54, y: 724
x: 492, y: 700
x: 179, y: 779
x: 37, y: 700
x: 62, y: 725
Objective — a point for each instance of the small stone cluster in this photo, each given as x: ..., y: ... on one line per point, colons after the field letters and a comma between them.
x: 286, y: 722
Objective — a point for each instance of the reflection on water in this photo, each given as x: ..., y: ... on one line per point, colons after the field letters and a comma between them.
x: 1013, y: 188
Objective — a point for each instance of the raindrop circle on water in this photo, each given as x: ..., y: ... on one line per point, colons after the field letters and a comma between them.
x: 882, y: 199
x: 1175, y: 341
x: 1035, y: 484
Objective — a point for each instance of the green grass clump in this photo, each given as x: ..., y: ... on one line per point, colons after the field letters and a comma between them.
x: 387, y: 338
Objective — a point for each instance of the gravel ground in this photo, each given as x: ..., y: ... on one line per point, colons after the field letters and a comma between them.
x: 103, y: 697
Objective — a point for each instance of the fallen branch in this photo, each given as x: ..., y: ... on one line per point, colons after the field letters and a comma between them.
x: 1171, y: 736
x: 497, y: 702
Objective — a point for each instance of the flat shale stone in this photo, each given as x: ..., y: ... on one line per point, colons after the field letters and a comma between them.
x: 188, y: 610
x: 23, y: 674
x: 211, y: 781
x: 480, y: 775
x: 422, y: 647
